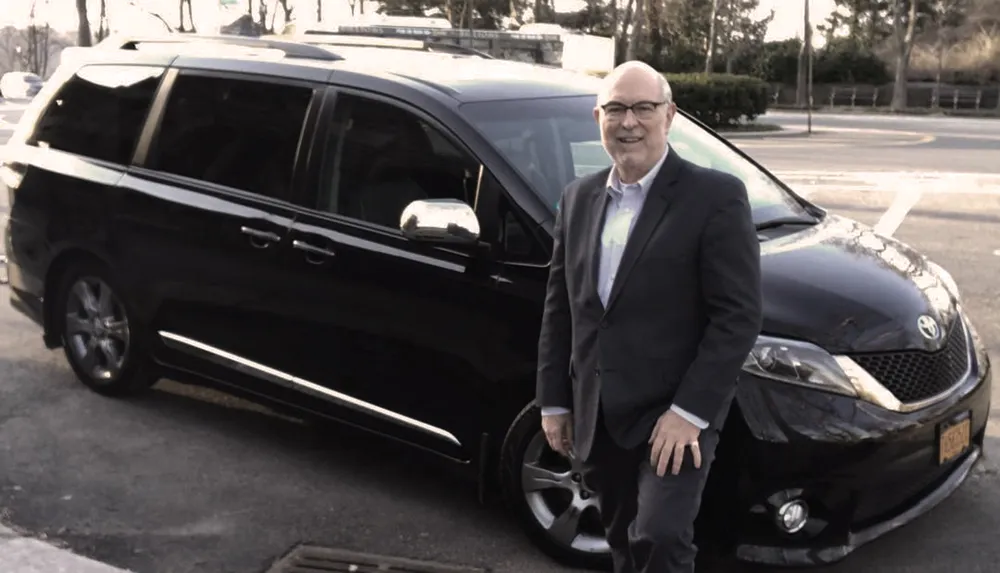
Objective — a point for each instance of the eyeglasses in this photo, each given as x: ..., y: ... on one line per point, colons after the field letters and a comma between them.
x: 642, y: 110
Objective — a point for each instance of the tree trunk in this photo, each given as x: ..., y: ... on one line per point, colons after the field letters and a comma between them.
x: 712, y: 35
x: 636, y: 36
x: 904, y: 46
x: 83, y: 36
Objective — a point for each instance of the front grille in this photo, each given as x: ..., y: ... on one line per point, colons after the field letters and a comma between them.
x: 914, y: 375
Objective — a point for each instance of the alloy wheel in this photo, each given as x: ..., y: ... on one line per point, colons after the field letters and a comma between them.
x: 558, y: 495
x: 97, y: 329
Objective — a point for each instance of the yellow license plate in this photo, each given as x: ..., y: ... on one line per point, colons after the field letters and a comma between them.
x: 954, y: 440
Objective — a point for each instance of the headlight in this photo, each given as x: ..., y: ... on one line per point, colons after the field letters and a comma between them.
x: 807, y: 365
x: 945, y: 277
x: 800, y: 363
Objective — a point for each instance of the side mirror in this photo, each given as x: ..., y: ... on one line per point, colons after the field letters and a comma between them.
x: 440, y: 221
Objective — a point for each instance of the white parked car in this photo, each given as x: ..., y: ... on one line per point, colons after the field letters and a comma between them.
x: 20, y: 85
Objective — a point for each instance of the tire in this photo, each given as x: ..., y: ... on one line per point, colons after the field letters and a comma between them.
x: 535, y: 511
x: 107, y: 324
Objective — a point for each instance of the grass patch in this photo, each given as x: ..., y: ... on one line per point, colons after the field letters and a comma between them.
x: 750, y: 127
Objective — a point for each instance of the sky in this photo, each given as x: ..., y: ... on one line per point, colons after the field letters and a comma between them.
x: 787, y: 23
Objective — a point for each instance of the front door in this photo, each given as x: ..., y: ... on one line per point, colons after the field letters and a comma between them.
x: 404, y: 336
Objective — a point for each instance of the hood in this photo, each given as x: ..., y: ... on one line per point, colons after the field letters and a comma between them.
x: 847, y: 289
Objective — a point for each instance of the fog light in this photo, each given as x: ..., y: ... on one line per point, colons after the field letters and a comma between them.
x: 792, y: 516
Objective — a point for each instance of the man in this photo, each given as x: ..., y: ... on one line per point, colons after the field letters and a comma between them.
x: 653, y: 303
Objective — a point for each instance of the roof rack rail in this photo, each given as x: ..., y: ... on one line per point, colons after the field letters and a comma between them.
x: 331, y: 39
x: 290, y: 48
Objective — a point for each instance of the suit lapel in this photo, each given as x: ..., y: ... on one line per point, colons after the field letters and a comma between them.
x: 598, y: 207
x: 656, y: 204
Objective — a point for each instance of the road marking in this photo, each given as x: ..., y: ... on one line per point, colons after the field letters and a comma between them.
x: 896, y: 213
x: 932, y: 182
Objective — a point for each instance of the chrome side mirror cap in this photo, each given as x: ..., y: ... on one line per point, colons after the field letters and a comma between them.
x: 440, y: 221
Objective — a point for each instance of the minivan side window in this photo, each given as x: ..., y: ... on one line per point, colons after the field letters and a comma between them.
x: 241, y: 133
x: 380, y: 157
x: 99, y: 112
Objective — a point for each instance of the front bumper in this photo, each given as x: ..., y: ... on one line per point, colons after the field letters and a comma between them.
x: 862, y: 470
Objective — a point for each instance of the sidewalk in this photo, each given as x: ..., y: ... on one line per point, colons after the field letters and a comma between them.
x: 26, y: 555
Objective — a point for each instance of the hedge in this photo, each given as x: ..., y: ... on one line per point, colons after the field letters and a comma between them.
x: 720, y: 100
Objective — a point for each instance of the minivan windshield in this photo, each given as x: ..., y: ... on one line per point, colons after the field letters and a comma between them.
x: 553, y: 141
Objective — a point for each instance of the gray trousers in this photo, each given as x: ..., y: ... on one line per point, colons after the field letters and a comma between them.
x: 649, y: 519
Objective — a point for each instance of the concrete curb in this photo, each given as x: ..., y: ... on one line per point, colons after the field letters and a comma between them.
x: 20, y: 554
x: 766, y: 134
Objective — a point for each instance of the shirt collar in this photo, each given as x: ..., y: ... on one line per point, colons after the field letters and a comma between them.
x: 616, y: 188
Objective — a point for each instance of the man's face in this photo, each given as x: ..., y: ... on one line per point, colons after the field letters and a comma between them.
x: 634, y: 121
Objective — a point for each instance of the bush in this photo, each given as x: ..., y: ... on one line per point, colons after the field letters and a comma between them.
x: 720, y: 100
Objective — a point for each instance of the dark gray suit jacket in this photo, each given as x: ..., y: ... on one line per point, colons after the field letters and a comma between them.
x: 683, y: 314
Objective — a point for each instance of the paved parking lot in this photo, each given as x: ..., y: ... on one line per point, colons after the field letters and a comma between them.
x: 197, y: 482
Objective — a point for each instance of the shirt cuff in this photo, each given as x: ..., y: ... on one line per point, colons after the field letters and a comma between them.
x: 702, y: 424
x: 554, y: 410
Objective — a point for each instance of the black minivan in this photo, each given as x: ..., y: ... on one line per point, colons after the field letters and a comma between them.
x: 363, y: 234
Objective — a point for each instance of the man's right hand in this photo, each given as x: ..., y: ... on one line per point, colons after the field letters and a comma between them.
x: 558, y: 430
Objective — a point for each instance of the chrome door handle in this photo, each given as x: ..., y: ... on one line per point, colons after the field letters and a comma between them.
x: 312, y: 249
x: 260, y: 239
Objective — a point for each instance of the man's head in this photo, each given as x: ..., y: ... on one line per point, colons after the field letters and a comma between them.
x: 634, y: 110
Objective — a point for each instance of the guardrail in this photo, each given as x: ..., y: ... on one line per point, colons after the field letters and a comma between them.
x: 929, y: 97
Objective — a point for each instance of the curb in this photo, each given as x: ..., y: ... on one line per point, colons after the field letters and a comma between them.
x: 19, y: 554
x: 767, y: 134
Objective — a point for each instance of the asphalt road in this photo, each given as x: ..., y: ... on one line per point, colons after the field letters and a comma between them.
x: 860, y: 142
x: 197, y: 482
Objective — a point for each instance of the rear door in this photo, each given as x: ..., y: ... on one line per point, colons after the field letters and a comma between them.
x: 205, y: 212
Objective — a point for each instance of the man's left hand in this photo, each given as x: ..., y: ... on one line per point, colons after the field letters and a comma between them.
x: 670, y: 436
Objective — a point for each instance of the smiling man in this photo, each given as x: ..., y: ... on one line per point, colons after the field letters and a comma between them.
x: 653, y: 303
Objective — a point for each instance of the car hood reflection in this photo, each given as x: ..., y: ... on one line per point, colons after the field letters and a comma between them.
x: 840, y: 285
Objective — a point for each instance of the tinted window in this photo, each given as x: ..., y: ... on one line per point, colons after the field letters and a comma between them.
x: 556, y: 140
x: 241, y: 133
x: 381, y: 157
x: 99, y: 112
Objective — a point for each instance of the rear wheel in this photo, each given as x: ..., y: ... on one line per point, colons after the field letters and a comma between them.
x: 550, y: 496
x: 100, y: 337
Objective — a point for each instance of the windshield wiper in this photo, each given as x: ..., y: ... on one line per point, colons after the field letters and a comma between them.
x: 782, y: 221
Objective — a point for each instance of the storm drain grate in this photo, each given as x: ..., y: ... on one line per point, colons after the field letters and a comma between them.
x: 311, y: 559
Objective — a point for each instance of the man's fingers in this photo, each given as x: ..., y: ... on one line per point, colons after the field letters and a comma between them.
x: 678, y: 457
x: 696, y: 454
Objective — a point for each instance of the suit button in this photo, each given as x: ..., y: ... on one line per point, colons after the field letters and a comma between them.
x: 605, y: 324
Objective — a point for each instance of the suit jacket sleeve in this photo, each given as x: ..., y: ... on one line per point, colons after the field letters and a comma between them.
x: 553, y: 386
x: 731, y: 291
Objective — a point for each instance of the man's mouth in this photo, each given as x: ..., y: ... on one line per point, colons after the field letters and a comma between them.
x: 629, y: 140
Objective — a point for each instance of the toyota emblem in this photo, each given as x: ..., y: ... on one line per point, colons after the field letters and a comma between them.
x: 928, y: 327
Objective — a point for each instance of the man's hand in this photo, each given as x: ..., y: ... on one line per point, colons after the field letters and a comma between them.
x: 670, y: 436
x: 558, y: 430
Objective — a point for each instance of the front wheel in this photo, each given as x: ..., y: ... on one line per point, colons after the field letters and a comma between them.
x: 550, y: 497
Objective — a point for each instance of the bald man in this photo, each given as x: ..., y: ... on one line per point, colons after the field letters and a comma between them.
x: 653, y: 303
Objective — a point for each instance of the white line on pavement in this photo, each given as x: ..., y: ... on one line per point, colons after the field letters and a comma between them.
x: 896, y: 213
x: 889, y: 181
x: 26, y: 555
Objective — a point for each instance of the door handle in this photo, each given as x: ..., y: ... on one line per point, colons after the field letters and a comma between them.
x: 260, y: 239
x: 313, y: 250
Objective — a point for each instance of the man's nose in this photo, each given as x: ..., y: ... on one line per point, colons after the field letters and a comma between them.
x: 629, y: 121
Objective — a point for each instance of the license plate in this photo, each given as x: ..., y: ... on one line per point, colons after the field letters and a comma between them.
x: 954, y: 438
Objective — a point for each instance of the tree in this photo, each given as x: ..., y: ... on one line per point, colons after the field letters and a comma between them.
x: 904, y: 20
x: 83, y: 35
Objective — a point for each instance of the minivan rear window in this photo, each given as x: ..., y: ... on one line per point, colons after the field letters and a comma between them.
x: 99, y: 112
